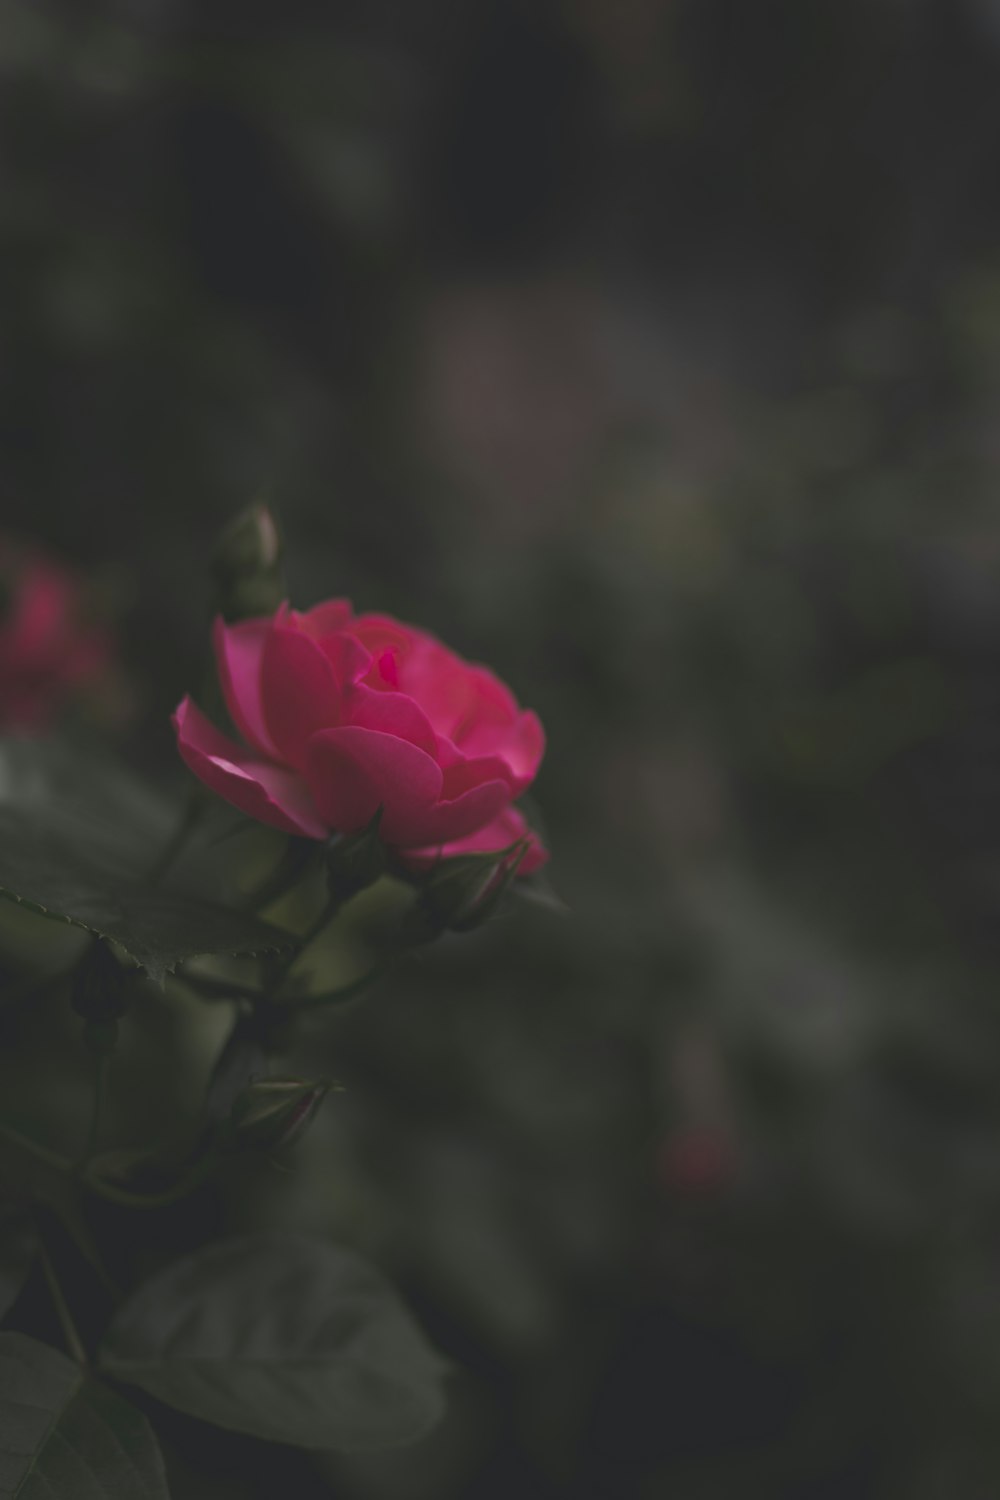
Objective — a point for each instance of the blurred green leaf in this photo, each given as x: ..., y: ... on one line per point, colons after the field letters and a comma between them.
x: 64, y: 1436
x: 288, y: 1339
x: 77, y: 839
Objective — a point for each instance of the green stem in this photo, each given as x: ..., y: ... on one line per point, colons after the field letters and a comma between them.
x: 102, y: 1067
x: 189, y: 819
x: 181, y: 1189
x: 287, y: 961
x: 35, y: 1148
x: 74, y: 1343
x: 286, y: 873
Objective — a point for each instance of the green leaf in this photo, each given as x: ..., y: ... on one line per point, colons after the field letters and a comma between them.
x: 288, y: 1339
x: 64, y: 1436
x: 85, y: 861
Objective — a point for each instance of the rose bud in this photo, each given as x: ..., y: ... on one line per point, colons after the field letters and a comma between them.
x: 50, y: 651
x: 461, y: 894
x: 346, y: 716
x: 247, y: 564
x: 273, y: 1112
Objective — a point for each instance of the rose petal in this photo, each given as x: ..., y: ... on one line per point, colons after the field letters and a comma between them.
x: 349, y: 660
x: 329, y: 618
x: 464, y: 775
x: 381, y: 633
x: 329, y: 625
x: 457, y: 816
x: 491, y: 705
x: 238, y: 651
x: 500, y: 834
x: 392, y: 713
x: 448, y: 754
x: 266, y: 792
x: 523, y: 748
x: 388, y: 670
x: 353, y: 771
x: 520, y: 745
x: 440, y: 682
x: 299, y: 689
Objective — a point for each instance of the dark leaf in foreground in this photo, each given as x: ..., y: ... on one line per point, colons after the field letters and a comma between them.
x: 289, y: 1339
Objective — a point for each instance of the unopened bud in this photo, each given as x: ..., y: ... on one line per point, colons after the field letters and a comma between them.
x: 247, y: 565
x: 492, y: 897
x: 460, y: 894
x: 273, y: 1112
x: 355, y: 861
x: 100, y: 993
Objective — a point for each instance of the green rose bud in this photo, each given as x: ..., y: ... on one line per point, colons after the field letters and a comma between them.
x: 461, y: 894
x: 273, y: 1112
x: 247, y: 565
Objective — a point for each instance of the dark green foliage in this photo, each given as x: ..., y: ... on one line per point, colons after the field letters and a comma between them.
x: 282, y: 1338
x: 66, y: 1436
x: 77, y: 842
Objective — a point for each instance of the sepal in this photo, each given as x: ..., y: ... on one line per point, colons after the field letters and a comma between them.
x: 274, y: 1112
x: 355, y: 861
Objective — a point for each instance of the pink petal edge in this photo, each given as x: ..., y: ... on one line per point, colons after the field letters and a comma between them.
x: 268, y: 793
x: 238, y: 651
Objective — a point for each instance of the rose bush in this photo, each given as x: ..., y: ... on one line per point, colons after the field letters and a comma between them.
x: 342, y: 714
x: 48, y: 648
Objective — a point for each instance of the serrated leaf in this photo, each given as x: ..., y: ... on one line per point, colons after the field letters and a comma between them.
x: 65, y: 1436
x: 158, y: 929
x: 81, y: 855
x: 289, y: 1339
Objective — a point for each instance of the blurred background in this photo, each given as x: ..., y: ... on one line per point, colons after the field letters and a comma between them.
x: 648, y: 350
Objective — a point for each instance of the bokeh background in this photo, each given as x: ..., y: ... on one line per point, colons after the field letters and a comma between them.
x: 650, y: 351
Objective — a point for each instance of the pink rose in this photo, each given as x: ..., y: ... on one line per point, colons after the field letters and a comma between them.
x: 48, y: 649
x: 343, y: 714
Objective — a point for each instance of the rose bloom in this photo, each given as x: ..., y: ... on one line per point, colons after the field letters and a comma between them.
x: 49, y: 650
x: 342, y: 714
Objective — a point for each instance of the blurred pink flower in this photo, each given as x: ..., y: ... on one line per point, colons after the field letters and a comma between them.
x: 50, y: 650
x: 696, y: 1159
